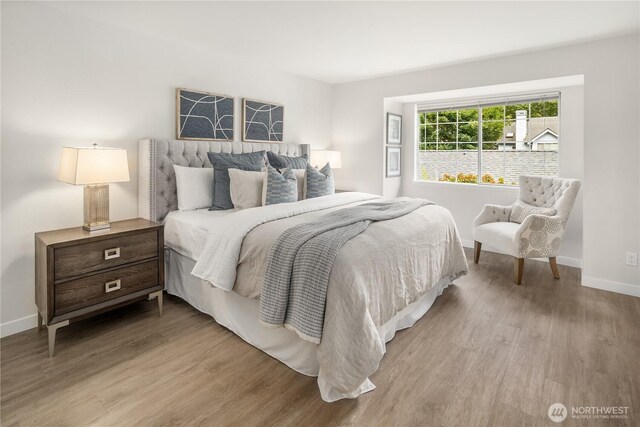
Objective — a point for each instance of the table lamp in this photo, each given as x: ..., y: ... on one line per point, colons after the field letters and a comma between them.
x: 94, y: 167
x: 322, y: 157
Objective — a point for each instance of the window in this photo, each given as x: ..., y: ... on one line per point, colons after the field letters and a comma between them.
x: 489, y: 141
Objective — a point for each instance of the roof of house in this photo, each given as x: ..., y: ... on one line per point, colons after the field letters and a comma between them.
x: 536, y: 126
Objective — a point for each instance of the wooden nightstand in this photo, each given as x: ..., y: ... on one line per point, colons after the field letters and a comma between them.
x: 81, y: 273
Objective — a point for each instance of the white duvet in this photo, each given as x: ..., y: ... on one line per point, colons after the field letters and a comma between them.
x: 376, y: 275
x: 218, y: 261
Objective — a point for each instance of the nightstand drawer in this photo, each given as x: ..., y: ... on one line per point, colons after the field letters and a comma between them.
x: 87, y: 291
x: 76, y: 260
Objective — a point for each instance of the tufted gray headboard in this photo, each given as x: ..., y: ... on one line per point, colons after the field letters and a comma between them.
x: 157, y: 181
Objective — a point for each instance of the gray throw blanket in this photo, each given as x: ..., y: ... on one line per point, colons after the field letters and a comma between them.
x: 300, y: 262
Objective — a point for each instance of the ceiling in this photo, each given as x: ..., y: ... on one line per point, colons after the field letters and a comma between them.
x: 344, y: 41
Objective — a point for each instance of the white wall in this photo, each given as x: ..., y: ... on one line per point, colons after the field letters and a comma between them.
x: 67, y: 80
x: 611, y: 209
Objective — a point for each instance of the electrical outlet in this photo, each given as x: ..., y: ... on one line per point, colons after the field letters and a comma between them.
x: 632, y: 258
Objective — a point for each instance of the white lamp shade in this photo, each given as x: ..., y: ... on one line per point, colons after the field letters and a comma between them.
x: 322, y: 157
x: 93, y: 165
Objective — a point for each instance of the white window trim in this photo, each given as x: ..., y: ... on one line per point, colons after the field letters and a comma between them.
x: 485, y: 101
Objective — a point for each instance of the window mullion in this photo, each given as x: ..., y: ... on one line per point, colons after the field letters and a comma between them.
x: 437, y: 162
x: 457, y: 149
x: 504, y: 144
x: 479, y: 178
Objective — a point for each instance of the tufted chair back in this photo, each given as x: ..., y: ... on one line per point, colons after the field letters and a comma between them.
x: 549, y: 192
x: 157, y: 195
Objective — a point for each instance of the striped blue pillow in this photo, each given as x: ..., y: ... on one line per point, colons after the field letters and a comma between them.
x: 281, y: 162
x: 318, y: 183
x: 279, y: 188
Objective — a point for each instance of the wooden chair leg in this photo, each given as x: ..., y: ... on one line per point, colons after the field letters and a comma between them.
x: 519, y: 263
x: 554, y: 267
x: 477, y: 246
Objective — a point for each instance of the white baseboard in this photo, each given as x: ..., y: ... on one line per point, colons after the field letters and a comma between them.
x: 565, y: 260
x: 611, y: 286
x: 467, y: 243
x: 18, y: 325
x: 562, y: 260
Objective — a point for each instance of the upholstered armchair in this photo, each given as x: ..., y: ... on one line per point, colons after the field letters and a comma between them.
x: 533, y: 226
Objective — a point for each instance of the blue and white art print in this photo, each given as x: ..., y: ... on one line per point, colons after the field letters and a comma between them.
x: 262, y: 121
x: 203, y: 115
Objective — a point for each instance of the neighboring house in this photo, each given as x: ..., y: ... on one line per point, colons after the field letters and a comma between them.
x: 537, y: 134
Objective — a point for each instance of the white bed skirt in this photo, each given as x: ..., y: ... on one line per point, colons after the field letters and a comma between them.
x: 240, y: 315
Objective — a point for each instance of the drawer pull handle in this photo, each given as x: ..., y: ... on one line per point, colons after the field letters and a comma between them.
x: 112, y: 286
x: 112, y: 253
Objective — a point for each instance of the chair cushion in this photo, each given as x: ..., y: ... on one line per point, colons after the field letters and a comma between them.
x: 521, y: 210
x: 498, y: 235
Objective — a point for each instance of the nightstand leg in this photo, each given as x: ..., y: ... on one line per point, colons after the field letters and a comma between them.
x: 158, y: 295
x: 39, y: 322
x: 52, y: 335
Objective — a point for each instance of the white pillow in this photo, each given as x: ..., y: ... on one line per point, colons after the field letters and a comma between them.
x: 245, y: 188
x: 300, y: 178
x: 521, y: 210
x: 194, y: 187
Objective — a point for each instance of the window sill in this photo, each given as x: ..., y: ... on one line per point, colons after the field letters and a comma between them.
x: 467, y: 185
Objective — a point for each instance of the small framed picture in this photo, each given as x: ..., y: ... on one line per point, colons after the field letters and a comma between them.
x: 394, y: 129
x: 393, y: 161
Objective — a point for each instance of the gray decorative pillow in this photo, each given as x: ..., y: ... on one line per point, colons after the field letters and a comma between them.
x: 521, y: 210
x: 222, y: 162
x: 279, y: 188
x: 318, y: 183
x: 281, y: 162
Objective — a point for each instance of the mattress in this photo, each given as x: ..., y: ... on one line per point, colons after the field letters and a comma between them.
x: 186, y: 231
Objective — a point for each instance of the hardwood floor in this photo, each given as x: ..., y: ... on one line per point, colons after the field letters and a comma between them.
x: 488, y: 353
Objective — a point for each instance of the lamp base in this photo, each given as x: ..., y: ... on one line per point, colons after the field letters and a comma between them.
x: 96, y: 207
x: 96, y: 227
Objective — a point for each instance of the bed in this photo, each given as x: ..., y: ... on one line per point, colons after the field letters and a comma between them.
x: 384, y: 280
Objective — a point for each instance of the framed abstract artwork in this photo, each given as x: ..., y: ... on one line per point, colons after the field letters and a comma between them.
x: 203, y: 115
x: 262, y: 121
x: 394, y: 129
x: 393, y: 161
